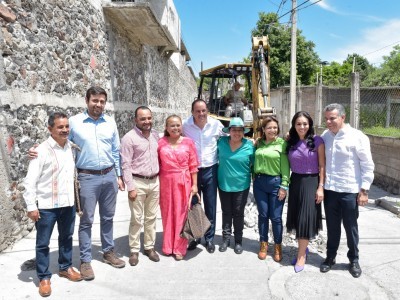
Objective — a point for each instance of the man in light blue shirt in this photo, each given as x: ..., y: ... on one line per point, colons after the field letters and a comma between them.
x: 99, y: 174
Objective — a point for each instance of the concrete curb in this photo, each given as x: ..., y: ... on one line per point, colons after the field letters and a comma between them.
x: 388, y: 205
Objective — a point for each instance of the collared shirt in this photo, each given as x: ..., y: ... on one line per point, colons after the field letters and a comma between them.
x: 98, y: 141
x: 139, y: 155
x: 204, y: 139
x: 349, y: 165
x: 49, y: 182
x: 271, y: 159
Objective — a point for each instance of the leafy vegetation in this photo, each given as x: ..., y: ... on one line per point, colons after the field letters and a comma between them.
x: 382, y: 131
x: 308, y: 63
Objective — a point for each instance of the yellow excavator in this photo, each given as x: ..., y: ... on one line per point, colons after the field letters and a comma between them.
x: 254, y: 76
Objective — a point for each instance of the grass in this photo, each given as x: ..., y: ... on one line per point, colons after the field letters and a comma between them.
x: 381, y: 131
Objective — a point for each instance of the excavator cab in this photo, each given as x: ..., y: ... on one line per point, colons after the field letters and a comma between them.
x: 215, y: 84
x: 254, y: 77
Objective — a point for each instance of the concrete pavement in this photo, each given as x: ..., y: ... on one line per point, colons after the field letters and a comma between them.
x: 220, y: 275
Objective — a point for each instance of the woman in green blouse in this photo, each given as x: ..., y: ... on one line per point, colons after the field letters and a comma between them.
x: 236, y: 156
x: 271, y: 169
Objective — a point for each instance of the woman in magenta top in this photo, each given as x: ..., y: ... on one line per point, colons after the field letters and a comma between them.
x: 178, y: 179
x: 306, y: 153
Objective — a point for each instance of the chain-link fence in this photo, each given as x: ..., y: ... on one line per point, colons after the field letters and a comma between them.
x: 379, y: 107
x: 379, y: 110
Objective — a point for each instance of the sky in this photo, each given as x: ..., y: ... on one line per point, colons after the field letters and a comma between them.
x: 219, y: 31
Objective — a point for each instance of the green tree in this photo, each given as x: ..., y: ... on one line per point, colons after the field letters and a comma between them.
x: 388, y: 74
x: 279, y: 40
x: 337, y: 74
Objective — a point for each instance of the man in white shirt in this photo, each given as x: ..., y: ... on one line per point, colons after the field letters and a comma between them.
x: 349, y: 175
x: 205, y: 132
x: 49, y: 196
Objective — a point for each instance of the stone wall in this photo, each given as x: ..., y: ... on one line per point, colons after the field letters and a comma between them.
x: 385, y: 153
x: 51, y: 52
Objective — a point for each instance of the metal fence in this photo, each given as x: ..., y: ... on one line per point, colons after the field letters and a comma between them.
x: 379, y: 108
x: 378, y: 111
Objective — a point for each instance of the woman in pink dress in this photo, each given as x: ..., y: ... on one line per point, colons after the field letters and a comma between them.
x: 178, y: 179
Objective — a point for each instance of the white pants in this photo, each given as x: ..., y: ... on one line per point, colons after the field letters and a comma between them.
x: 233, y: 109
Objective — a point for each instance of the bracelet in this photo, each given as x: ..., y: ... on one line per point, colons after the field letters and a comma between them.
x: 284, y: 187
x: 321, y: 184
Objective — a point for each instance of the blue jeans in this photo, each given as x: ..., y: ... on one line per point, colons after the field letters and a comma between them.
x: 207, y: 186
x: 65, y: 219
x: 265, y: 189
x: 338, y: 207
x: 95, y: 189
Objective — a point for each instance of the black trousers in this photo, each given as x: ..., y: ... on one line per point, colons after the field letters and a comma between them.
x: 233, y: 204
x: 341, y: 207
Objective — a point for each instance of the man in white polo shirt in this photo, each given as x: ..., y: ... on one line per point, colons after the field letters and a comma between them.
x: 205, y: 132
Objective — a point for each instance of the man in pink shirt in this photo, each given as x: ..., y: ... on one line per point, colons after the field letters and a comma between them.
x: 140, y: 172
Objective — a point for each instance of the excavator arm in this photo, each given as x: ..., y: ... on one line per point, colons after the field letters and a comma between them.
x: 260, y: 80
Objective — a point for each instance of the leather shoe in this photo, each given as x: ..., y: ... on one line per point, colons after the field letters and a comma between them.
x: 224, y: 245
x: 355, y: 269
x: 193, y: 244
x: 45, y: 288
x: 134, y: 259
x: 327, y: 264
x: 238, y: 248
x: 210, y: 247
x: 71, y: 274
x: 153, y: 256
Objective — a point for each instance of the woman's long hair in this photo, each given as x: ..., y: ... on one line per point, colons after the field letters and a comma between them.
x: 293, y: 135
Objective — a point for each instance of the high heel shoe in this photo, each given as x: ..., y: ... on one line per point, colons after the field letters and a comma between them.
x: 294, y: 260
x: 298, y: 268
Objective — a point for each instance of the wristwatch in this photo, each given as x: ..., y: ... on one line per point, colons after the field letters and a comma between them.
x: 365, y: 191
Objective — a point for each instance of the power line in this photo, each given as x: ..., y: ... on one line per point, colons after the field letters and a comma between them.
x: 288, y: 12
x: 272, y: 2
x: 281, y: 6
x: 395, y: 43
x: 310, y: 4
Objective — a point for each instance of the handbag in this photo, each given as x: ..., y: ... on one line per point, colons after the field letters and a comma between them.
x: 197, y: 223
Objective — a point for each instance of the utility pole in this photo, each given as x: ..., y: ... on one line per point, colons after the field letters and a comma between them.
x: 293, y: 63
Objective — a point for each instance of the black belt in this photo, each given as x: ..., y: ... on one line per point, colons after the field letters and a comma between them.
x: 203, y: 168
x: 145, y: 177
x: 96, y: 172
x: 263, y: 174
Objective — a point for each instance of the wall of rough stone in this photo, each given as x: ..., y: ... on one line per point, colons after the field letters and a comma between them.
x: 51, y: 52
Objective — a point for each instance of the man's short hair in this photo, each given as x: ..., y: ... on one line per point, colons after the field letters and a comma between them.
x: 95, y: 90
x: 141, y: 107
x: 339, y: 107
x: 55, y: 115
x: 198, y: 101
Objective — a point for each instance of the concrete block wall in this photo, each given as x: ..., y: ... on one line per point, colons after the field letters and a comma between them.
x: 385, y: 153
x: 50, y: 53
